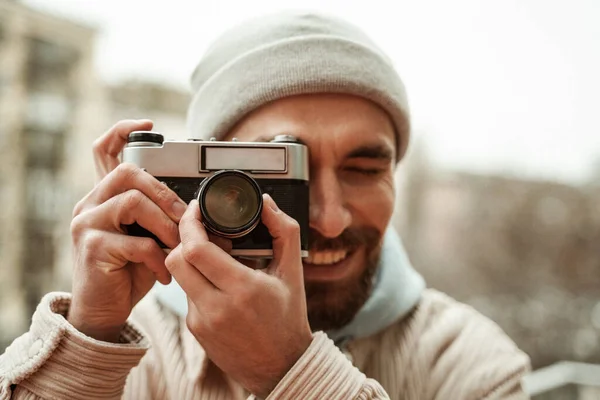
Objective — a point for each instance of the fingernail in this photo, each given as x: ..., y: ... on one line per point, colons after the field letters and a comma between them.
x: 179, y: 208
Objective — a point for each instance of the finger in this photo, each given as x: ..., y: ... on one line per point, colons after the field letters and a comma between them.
x: 124, y: 249
x: 107, y: 147
x: 128, y: 176
x: 225, y: 244
x: 216, y: 265
x: 193, y: 283
x: 190, y: 225
x: 195, y: 318
x: 285, y: 231
x: 131, y: 207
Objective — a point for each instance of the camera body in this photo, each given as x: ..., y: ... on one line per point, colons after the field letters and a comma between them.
x: 228, y: 179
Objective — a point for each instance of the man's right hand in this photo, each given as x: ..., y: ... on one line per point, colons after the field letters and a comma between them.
x: 113, y: 271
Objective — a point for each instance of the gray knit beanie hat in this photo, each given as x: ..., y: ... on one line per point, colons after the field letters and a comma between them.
x: 286, y: 54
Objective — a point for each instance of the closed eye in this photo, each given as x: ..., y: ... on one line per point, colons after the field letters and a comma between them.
x: 375, y: 152
x: 365, y: 171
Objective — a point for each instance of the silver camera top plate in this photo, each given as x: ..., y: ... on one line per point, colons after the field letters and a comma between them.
x: 200, y: 159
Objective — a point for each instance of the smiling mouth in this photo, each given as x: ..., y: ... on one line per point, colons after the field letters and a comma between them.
x: 327, y: 257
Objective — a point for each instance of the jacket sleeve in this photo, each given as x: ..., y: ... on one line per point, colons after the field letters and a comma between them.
x: 54, y: 360
x: 324, y: 372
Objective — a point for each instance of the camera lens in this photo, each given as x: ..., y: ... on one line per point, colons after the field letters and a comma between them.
x: 231, y: 203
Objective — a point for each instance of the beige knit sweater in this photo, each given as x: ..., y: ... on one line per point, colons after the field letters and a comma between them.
x: 442, y: 350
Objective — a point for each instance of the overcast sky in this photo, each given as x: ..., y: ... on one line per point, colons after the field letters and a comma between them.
x: 509, y: 86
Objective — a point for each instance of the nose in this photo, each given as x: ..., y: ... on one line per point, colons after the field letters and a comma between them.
x: 328, y: 212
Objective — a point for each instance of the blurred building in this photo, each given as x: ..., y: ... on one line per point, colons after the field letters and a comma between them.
x: 49, y: 98
x: 525, y: 253
x: 52, y: 107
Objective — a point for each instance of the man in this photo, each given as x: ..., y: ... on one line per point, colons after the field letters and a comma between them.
x: 352, y: 321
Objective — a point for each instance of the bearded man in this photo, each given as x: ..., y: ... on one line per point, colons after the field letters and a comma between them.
x: 351, y: 321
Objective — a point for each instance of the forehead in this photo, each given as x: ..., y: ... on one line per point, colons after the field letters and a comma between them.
x: 326, y: 123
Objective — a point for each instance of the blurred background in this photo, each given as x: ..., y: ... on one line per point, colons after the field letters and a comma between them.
x: 498, y: 199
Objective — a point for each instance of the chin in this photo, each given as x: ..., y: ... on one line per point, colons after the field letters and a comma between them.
x: 336, y: 291
x: 338, y: 282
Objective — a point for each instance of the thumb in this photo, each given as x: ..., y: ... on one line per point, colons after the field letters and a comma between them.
x: 285, y: 231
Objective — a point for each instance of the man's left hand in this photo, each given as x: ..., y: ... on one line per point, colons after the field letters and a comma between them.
x: 252, y: 323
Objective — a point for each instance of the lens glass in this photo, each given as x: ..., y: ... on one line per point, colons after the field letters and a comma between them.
x: 231, y: 201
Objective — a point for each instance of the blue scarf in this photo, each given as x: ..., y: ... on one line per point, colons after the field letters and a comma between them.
x: 396, y: 290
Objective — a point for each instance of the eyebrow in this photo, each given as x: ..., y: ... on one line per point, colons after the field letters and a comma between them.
x: 374, y: 151
x: 377, y: 151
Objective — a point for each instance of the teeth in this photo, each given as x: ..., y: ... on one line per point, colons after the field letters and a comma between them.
x: 326, y: 257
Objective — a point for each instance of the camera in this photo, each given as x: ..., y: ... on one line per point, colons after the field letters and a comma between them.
x: 228, y: 179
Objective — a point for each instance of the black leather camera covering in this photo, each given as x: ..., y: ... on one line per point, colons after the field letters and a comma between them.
x: 291, y: 196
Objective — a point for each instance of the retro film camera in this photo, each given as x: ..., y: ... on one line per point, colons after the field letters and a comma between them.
x: 228, y: 179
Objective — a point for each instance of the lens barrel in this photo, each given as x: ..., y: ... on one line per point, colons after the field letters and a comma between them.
x: 231, y: 203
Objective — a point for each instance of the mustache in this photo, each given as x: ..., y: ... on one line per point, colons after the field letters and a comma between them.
x: 350, y: 239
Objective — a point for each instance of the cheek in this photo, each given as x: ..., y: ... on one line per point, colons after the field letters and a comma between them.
x: 371, y: 205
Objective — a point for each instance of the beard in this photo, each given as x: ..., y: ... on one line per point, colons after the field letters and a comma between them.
x: 332, y: 305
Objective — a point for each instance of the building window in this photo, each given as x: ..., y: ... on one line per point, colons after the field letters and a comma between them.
x: 45, y: 149
x: 38, y: 261
x: 2, y: 30
x: 50, y: 66
x: 48, y: 111
x: 46, y: 198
